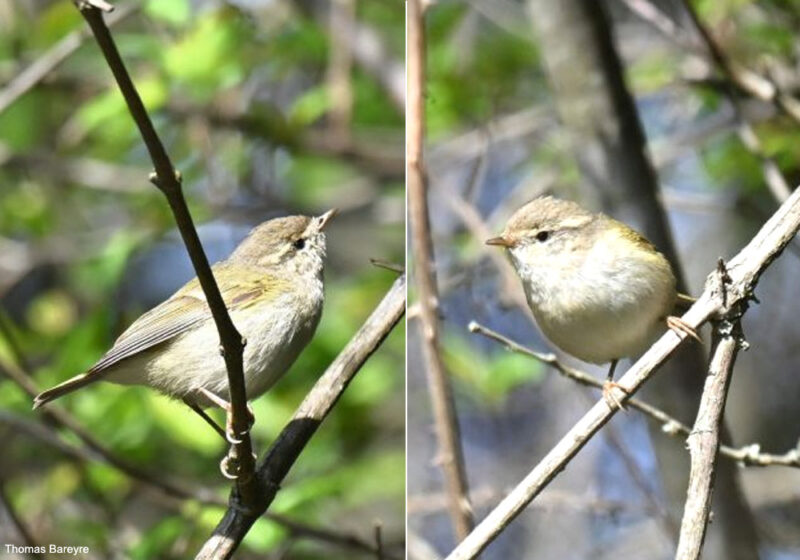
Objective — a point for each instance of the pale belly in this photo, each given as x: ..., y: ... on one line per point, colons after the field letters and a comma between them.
x: 600, y: 337
x: 598, y: 330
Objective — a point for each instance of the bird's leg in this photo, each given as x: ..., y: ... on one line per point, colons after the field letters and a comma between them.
x: 202, y: 413
x: 609, y: 386
x: 226, y: 406
x: 682, y: 328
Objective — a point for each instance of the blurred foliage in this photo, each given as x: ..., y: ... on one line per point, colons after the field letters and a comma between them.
x: 484, y: 66
x: 487, y: 155
x: 491, y: 376
x: 460, y: 50
x: 76, y: 205
x: 758, y: 35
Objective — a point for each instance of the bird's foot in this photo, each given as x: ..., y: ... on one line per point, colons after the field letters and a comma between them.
x: 230, y: 466
x: 611, y: 399
x: 682, y: 329
x: 230, y: 434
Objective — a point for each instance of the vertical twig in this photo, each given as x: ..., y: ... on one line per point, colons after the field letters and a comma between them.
x: 450, y: 455
x: 704, y: 440
x: 168, y: 181
x: 379, y: 540
x: 317, y: 404
x: 340, y: 65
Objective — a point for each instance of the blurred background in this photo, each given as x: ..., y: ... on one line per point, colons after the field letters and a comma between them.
x: 267, y: 108
x: 535, y: 97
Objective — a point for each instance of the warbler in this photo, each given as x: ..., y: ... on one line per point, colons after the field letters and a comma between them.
x: 272, y: 285
x: 598, y: 289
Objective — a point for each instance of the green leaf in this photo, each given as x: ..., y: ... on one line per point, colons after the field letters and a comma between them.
x: 208, y: 56
x: 310, y: 106
x: 182, y: 425
x: 265, y: 535
x: 175, y: 12
x: 493, y: 376
x: 157, y: 541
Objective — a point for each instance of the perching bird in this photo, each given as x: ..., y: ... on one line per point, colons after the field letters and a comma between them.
x: 272, y: 285
x: 598, y: 290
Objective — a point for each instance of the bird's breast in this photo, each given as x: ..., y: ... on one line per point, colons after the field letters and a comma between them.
x: 599, y: 312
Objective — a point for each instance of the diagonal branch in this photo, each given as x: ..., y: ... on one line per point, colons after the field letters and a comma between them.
x: 168, y: 180
x: 722, y: 293
x: 736, y: 79
x: 274, y: 467
x: 93, y: 450
x: 16, y: 521
x: 51, y: 59
x: 772, y: 173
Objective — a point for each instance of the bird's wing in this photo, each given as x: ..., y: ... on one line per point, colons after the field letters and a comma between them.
x: 175, y: 316
x: 188, y: 308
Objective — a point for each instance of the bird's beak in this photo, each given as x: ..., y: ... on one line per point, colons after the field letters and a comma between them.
x: 502, y: 241
x: 326, y: 217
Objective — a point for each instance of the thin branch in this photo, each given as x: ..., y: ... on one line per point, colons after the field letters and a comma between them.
x: 736, y: 78
x: 433, y: 503
x: 176, y: 494
x: 748, y: 455
x: 450, y: 455
x: 52, y: 58
x: 340, y: 66
x: 168, y: 180
x: 20, y: 526
x: 772, y: 174
x: 420, y: 549
x: 361, y: 149
x: 378, y: 530
x: 703, y: 442
x: 719, y: 296
x: 55, y: 415
x: 751, y: 83
x: 89, y: 172
x: 652, y: 14
x: 655, y: 506
x: 274, y: 467
x: 511, y: 290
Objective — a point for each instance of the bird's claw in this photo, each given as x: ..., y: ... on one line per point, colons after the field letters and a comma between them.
x: 611, y: 399
x: 231, y: 435
x: 229, y: 467
x: 682, y: 329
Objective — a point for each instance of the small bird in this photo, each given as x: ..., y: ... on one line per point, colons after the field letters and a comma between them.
x: 272, y: 285
x: 598, y: 290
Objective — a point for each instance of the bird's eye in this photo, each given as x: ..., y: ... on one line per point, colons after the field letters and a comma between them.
x: 542, y: 236
x: 299, y: 244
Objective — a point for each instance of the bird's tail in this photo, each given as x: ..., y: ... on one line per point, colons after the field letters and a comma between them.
x: 63, y: 388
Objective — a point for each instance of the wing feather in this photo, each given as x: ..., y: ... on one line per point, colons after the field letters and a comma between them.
x: 174, y: 317
x: 187, y: 309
